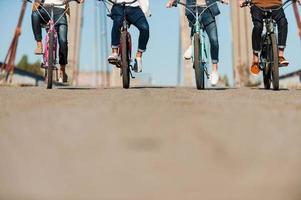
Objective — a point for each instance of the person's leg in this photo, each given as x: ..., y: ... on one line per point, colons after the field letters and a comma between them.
x: 138, y: 19
x: 257, y: 18
x: 37, y: 31
x: 188, y: 52
x: 117, y: 17
x: 62, y: 30
x: 282, y: 25
x: 209, y: 23
x: 211, y: 30
x: 256, y: 38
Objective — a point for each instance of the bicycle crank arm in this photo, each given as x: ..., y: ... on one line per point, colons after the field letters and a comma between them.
x: 131, y: 74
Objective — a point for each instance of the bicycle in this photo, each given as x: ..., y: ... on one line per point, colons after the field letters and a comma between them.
x: 269, y: 60
x: 125, y: 49
x: 199, y: 56
x: 51, y: 40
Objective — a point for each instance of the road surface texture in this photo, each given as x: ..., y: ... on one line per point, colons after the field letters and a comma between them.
x: 149, y: 144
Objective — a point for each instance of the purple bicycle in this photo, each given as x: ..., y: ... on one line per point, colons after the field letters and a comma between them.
x: 51, y: 41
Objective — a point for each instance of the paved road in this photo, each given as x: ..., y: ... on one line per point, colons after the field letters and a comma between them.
x: 149, y: 144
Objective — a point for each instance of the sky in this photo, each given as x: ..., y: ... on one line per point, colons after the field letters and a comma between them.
x: 161, y: 59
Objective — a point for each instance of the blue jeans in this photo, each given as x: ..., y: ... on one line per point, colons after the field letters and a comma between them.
x: 135, y: 16
x: 209, y: 23
x: 61, y: 28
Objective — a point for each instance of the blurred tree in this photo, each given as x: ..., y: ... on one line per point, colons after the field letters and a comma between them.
x: 30, y: 67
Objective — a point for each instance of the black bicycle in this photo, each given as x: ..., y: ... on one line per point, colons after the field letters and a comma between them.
x: 125, y: 49
x: 269, y: 60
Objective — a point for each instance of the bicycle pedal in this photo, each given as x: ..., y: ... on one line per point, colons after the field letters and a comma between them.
x: 133, y: 77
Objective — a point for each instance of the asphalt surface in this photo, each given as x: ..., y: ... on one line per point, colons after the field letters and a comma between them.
x: 149, y: 144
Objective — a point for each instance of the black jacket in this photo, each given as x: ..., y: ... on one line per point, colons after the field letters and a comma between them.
x: 213, y: 9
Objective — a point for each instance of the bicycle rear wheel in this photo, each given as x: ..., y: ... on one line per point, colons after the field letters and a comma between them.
x: 50, y: 60
x: 197, y: 63
x: 125, y: 70
x: 275, y: 61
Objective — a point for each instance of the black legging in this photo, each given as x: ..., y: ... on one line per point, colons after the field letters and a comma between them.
x: 61, y: 28
x: 257, y: 17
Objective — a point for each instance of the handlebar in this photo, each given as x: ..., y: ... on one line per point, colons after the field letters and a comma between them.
x: 122, y: 3
x: 250, y: 3
x: 175, y: 4
x: 188, y: 8
x: 52, y: 4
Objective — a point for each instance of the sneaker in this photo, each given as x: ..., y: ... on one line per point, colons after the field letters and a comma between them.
x: 114, y: 58
x: 63, y: 77
x: 214, y: 78
x: 283, y: 62
x: 255, y: 68
x: 39, y: 50
x: 188, y: 53
x: 138, y: 65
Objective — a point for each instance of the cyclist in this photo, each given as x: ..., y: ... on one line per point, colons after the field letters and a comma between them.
x: 257, y: 18
x: 40, y: 17
x: 208, y: 20
x: 136, y: 14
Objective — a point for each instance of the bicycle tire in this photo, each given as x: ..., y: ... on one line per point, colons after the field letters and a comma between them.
x: 275, y: 61
x: 50, y: 60
x: 125, y: 70
x: 267, y: 76
x: 198, y: 67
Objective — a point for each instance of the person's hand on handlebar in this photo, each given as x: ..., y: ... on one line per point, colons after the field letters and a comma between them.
x: 241, y: 2
x: 244, y: 3
x: 171, y: 2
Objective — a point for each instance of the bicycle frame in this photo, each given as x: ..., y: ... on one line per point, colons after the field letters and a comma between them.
x: 199, y: 29
x: 269, y: 26
x: 124, y: 29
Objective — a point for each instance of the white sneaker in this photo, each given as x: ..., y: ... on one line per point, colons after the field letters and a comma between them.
x: 138, y: 65
x: 60, y: 80
x: 113, y: 58
x: 188, y: 53
x: 214, y: 78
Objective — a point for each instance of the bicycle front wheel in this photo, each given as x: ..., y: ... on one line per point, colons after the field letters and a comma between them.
x: 275, y: 61
x: 50, y: 60
x: 197, y: 63
x: 125, y: 70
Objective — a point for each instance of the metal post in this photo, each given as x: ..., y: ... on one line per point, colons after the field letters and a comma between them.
x: 9, y: 62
